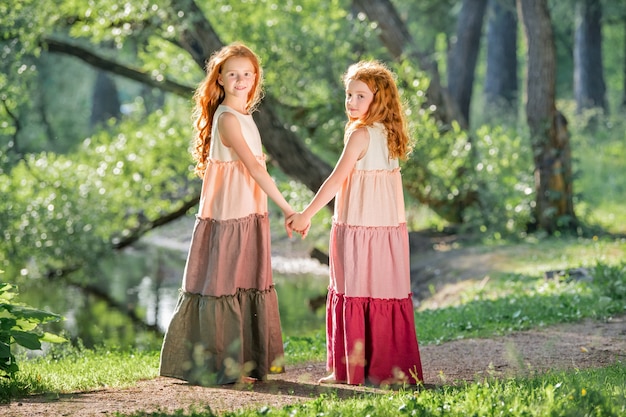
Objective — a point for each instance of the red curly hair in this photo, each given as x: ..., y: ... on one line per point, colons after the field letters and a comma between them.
x: 210, y: 94
x: 385, y: 108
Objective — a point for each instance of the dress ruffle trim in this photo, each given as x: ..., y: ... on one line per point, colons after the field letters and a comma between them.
x: 217, y: 340
x: 370, y: 261
x: 228, y: 254
x: 372, y: 340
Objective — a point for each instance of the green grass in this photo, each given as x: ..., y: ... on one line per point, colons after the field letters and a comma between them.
x: 596, y: 392
x: 509, y: 301
x: 69, y: 369
x: 519, y: 302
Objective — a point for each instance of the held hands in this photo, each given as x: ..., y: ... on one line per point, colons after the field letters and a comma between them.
x: 299, y: 223
x: 288, y: 227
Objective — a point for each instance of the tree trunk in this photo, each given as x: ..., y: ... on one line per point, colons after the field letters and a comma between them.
x: 501, y: 87
x: 589, y: 86
x: 464, y: 53
x: 106, y: 103
x: 554, y: 208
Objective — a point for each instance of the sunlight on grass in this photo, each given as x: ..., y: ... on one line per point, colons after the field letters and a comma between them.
x: 509, y: 303
x: 533, y: 259
x: 514, y: 263
x: 598, y: 392
x: 519, y: 302
x: 84, y: 369
x: 610, y: 216
x: 499, y: 304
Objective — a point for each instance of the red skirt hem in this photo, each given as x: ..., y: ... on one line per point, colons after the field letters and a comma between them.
x: 372, y: 340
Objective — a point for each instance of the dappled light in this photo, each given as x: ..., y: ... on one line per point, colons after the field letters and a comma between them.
x: 515, y: 184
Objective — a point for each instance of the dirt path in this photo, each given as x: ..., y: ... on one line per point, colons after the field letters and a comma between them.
x: 570, y: 346
x: 581, y: 345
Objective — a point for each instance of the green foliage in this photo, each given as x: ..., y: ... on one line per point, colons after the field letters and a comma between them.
x: 18, y: 326
x: 503, y: 172
x: 193, y: 412
x: 437, y: 170
x: 600, y: 183
x: 23, y: 23
x: 73, y: 208
x: 610, y: 284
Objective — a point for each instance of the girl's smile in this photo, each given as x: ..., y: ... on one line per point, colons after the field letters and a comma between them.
x: 237, y: 75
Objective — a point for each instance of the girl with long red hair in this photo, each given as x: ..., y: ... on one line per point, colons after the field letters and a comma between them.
x: 226, y: 326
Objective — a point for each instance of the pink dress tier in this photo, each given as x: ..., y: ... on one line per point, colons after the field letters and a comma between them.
x: 226, y: 322
x: 370, y: 327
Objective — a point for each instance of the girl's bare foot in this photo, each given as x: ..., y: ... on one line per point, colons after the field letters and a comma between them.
x: 330, y: 379
x: 247, y: 380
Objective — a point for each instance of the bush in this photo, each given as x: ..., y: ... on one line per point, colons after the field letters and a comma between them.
x: 18, y: 325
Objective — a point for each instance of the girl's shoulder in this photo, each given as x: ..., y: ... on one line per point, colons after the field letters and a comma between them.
x: 358, y: 133
x: 377, y: 130
x: 226, y: 108
x: 224, y: 114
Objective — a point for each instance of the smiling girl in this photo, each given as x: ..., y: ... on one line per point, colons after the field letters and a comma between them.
x: 226, y: 326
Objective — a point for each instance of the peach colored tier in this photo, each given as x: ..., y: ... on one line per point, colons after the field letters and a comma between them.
x: 226, y: 323
x: 370, y: 327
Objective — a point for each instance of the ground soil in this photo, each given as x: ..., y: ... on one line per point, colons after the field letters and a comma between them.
x: 580, y: 345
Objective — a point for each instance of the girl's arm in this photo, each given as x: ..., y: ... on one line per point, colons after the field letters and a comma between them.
x: 230, y: 132
x: 355, y: 148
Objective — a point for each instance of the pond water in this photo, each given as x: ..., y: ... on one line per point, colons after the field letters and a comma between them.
x: 145, y: 280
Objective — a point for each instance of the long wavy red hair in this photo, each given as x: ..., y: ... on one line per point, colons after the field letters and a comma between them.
x: 210, y: 94
x: 385, y: 108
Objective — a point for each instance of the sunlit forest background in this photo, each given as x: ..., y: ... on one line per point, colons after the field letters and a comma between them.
x: 517, y: 112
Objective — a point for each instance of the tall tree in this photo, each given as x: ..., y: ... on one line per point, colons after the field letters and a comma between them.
x: 554, y: 209
x: 463, y: 55
x: 501, y: 86
x: 589, y: 86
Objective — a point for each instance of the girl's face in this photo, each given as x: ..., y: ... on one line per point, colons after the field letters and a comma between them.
x: 237, y: 77
x: 358, y: 99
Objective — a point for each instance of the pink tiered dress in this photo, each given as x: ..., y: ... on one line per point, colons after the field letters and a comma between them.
x: 370, y: 327
x: 226, y: 322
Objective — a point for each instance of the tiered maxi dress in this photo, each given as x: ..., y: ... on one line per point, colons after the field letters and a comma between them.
x: 370, y: 327
x: 226, y: 323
